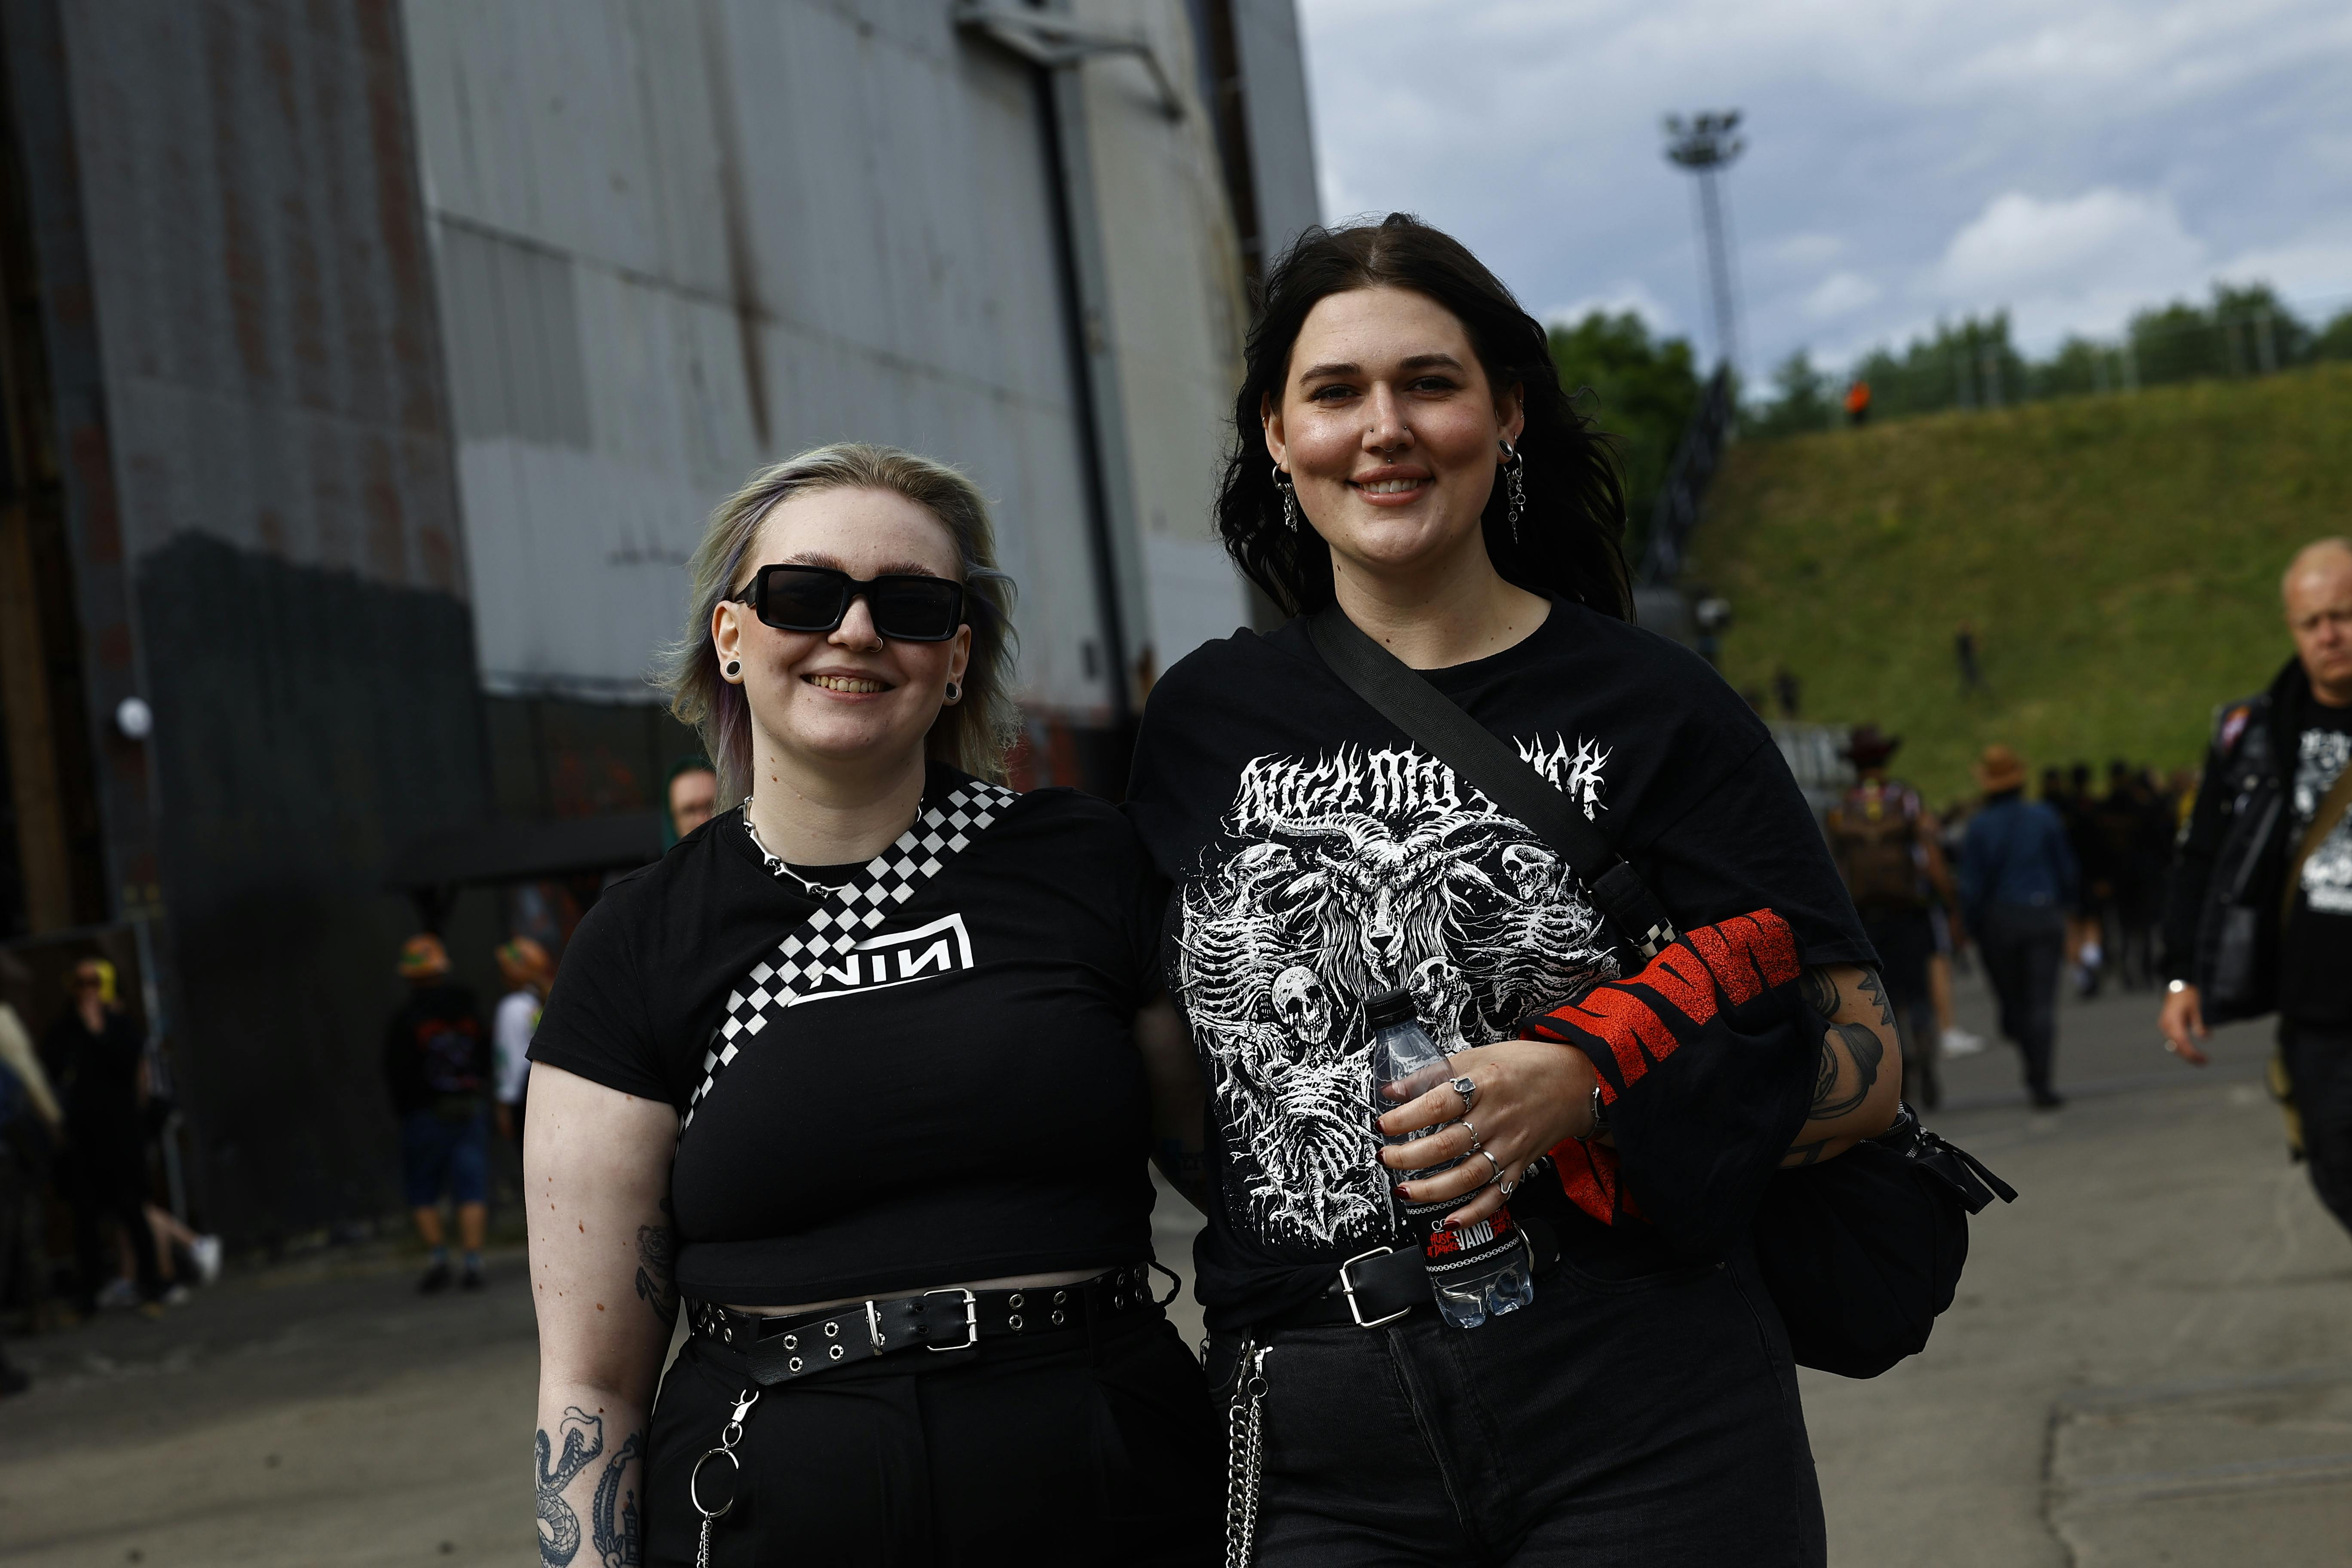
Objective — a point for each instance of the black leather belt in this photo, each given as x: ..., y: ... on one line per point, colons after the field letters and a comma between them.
x: 1384, y: 1284
x: 780, y: 1350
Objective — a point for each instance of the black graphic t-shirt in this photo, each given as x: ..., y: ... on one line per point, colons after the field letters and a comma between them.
x: 1320, y: 859
x: 952, y: 1090
x: 2314, y: 983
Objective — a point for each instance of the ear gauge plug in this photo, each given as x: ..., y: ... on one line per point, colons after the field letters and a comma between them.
x: 734, y: 668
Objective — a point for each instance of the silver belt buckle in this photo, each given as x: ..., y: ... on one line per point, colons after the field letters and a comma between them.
x: 1347, y: 1288
x: 970, y: 1319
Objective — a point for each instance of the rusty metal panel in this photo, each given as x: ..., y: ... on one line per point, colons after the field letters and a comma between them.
x: 238, y: 303
x: 264, y: 297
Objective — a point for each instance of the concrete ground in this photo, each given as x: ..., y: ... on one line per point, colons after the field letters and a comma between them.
x: 2150, y: 1362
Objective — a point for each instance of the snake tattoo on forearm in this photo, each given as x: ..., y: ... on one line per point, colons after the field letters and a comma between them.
x: 615, y: 1519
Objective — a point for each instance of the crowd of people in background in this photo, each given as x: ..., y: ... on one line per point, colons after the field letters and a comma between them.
x: 80, y: 1123
x: 2066, y: 886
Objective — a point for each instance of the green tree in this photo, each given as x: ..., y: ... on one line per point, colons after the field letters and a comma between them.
x: 1641, y: 389
x: 1968, y: 365
x: 2078, y: 367
x: 2335, y: 341
x: 2182, y: 342
x: 1799, y: 400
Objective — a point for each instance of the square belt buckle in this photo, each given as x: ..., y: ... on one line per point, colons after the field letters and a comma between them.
x: 1348, y: 1289
x: 970, y: 1319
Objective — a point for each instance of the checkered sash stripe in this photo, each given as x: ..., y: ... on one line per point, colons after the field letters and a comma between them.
x: 843, y: 919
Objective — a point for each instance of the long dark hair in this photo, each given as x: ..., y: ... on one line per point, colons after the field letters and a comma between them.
x: 1571, y: 536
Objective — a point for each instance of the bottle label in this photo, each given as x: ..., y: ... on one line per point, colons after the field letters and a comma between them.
x: 1444, y: 1249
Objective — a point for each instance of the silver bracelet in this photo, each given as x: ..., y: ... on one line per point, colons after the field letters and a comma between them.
x: 1600, y: 1116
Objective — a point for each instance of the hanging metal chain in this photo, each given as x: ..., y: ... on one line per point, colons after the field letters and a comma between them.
x: 728, y: 1436
x: 1245, y: 1456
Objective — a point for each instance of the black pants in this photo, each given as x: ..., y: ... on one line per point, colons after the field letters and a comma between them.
x: 2024, y: 946
x: 1609, y: 1424
x: 1904, y: 939
x: 110, y: 1181
x: 2319, y: 1066
x: 1041, y: 1452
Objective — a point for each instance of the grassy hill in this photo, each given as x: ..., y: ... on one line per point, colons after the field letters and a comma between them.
x: 2119, y: 557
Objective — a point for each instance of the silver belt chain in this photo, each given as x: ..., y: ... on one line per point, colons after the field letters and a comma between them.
x: 1244, y: 1454
x: 728, y: 1436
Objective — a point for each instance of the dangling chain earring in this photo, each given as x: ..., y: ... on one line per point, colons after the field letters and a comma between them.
x: 1289, y: 498
x: 1514, y: 484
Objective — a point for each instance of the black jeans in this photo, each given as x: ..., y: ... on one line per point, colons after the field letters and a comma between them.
x: 2319, y: 1066
x: 2025, y: 947
x: 1046, y: 1453
x: 1904, y: 941
x: 110, y: 1181
x: 1650, y: 1421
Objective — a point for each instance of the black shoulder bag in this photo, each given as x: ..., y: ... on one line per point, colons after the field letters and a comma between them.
x: 1859, y: 1253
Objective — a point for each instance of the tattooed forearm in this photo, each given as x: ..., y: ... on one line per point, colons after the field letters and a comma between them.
x: 616, y: 1523
x: 1866, y: 1050
x: 655, y: 1281
x: 1820, y: 991
x: 614, y: 1514
x: 558, y: 1524
x: 1186, y: 1170
x: 1876, y: 989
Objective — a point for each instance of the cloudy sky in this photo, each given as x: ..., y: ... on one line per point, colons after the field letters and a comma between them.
x: 2070, y: 160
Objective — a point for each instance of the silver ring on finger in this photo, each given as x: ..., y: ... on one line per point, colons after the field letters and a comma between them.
x: 1496, y: 1179
x: 1475, y: 1147
x: 1467, y: 1090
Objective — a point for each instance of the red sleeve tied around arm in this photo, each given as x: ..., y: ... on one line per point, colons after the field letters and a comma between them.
x: 1718, y: 995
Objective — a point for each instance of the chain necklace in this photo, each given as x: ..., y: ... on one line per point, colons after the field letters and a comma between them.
x: 818, y: 890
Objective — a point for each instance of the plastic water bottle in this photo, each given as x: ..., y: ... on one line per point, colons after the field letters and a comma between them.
x: 1480, y: 1270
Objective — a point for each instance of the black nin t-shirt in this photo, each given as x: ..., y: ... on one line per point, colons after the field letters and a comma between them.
x: 1321, y: 859
x: 957, y: 1094
x: 2314, y: 983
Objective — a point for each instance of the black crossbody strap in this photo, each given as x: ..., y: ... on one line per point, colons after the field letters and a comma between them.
x: 1440, y: 727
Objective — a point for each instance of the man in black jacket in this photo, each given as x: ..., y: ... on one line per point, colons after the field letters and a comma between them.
x: 2259, y: 915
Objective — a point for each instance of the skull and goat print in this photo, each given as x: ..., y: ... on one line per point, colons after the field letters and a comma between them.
x: 1343, y: 876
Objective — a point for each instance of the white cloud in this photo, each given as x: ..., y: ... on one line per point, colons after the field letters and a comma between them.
x: 2101, y: 239
x: 1840, y: 294
x: 2072, y: 164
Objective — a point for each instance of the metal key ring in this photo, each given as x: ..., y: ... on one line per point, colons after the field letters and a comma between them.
x: 694, y: 1483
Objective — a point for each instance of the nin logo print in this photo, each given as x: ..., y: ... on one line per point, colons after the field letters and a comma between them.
x: 891, y: 958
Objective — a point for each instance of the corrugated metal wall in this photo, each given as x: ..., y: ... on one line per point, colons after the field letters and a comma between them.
x: 758, y: 225
x: 240, y: 304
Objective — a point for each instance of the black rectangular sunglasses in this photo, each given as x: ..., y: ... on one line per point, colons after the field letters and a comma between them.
x: 906, y: 607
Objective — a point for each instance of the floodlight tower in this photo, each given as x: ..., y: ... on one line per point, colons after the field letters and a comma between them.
x: 1706, y: 144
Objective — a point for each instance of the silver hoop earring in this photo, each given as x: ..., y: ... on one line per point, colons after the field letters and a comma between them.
x: 954, y: 691
x: 1289, y: 498
x: 1515, y: 488
x: 734, y: 668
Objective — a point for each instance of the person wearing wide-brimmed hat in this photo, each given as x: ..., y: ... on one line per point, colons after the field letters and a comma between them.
x: 2018, y: 881
x: 1891, y: 854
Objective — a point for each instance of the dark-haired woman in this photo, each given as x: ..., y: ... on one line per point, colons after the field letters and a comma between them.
x: 854, y: 1070
x: 1406, y: 451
